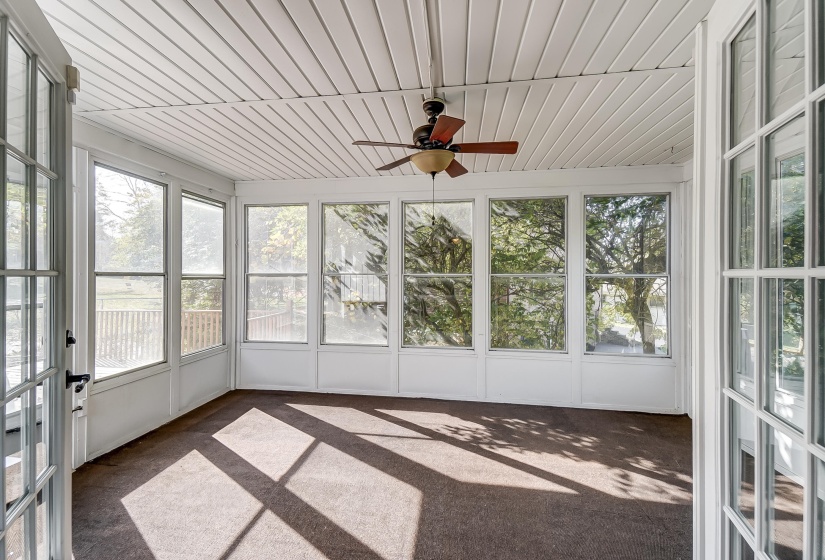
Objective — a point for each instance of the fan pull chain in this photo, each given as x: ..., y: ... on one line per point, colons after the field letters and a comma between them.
x: 433, y: 207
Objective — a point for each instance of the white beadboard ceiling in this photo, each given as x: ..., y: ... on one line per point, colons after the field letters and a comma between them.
x: 279, y: 89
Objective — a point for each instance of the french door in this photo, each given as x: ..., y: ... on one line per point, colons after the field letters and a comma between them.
x: 34, y: 252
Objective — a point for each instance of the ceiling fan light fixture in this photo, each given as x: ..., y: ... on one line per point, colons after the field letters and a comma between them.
x: 432, y: 161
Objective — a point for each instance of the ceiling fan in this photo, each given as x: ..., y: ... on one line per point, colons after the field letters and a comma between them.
x: 436, y: 152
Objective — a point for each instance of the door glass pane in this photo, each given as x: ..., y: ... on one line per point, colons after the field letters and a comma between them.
x: 742, y: 336
x: 527, y: 313
x: 627, y: 315
x: 786, y: 471
x: 820, y: 179
x: 785, y: 349
x: 43, y: 327
x: 17, y: 215
x: 129, y: 223
x: 17, y: 103
x: 129, y: 323
x: 438, y: 311
x: 356, y: 238
x: 277, y: 309
x: 43, y: 223
x: 44, y: 115
x: 743, y: 209
x: 626, y: 234
x: 739, y: 547
x: 16, y: 459
x: 355, y: 309
x: 277, y: 239
x: 17, y: 331
x: 201, y: 314
x: 527, y: 236
x: 438, y: 244
x: 743, y: 74
x: 742, y: 462
x: 819, y: 528
x: 785, y: 197
x: 42, y: 520
x: 203, y: 233
x: 819, y: 361
x: 41, y: 429
x: 786, y: 55
x: 16, y: 540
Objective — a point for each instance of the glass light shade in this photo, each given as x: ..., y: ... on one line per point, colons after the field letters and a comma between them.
x: 432, y: 161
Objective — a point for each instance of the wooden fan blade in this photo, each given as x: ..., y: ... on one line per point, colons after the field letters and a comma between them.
x: 387, y: 144
x: 455, y: 169
x: 445, y: 128
x: 488, y: 148
x: 394, y: 164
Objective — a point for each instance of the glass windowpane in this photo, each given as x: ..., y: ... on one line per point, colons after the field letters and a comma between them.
x: 15, y: 457
x: 203, y: 238
x: 44, y: 116
x: 355, y: 309
x: 17, y: 215
x: 277, y: 309
x: 129, y: 323
x: 627, y: 315
x: 742, y: 336
x: 129, y: 223
x: 44, y: 418
x: 819, y: 359
x: 742, y: 461
x: 527, y: 313
x: 17, y: 331
x: 17, y: 102
x: 42, y: 216
x: 627, y: 234
x: 527, y: 236
x: 356, y: 238
x: 786, y: 471
x: 819, y: 197
x: 16, y: 548
x: 438, y: 311
x: 786, y: 55
x: 277, y: 239
x: 42, y: 520
x: 784, y: 322
x: 43, y: 328
x: 785, y: 197
x: 440, y: 244
x: 743, y: 209
x: 740, y: 549
x: 201, y: 324
x: 743, y: 87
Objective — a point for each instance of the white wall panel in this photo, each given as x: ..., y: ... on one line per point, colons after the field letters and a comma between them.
x: 530, y: 380
x: 263, y: 368
x: 648, y: 385
x: 203, y: 378
x: 436, y: 375
x: 355, y: 371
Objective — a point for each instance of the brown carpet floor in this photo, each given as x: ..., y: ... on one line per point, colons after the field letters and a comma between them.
x: 272, y: 475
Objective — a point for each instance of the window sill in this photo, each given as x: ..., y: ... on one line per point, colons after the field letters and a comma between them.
x: 258, y: 345
x: 355, y: 348
x: 203, y: 354
x: 115, y: 381
x: 640, y: 359
x: 530, y: 355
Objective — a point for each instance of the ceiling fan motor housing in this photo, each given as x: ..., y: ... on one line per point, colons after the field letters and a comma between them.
x: 433, y: 107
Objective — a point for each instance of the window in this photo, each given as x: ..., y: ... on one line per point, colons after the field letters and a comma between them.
x: 276, y: 273
x: 202, y: 274
x: 627, y: 274
x: 438, y: 274
x: 356, y: 239
x: 527, y: 274
x: 130, y: 272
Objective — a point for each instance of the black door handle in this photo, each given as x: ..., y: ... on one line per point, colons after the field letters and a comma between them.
x: 81, y: 380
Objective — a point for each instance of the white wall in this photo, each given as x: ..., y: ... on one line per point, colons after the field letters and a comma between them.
x: 121, y: 408
x: 651, y: 384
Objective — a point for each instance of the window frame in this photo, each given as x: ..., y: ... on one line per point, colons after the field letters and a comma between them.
x: 564, y: 275
x: 668, y: 275
x: 94, y: 163
x: 248, y: 275
x: 192, y: 195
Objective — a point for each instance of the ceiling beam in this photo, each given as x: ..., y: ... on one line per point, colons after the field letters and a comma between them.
x: 445, y: 91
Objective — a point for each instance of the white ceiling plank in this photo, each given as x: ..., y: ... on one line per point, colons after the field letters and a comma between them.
x: 358, y: 109
x: 420, y: 40
x: 401, y: 118
x: 682, y: 154
x: 395, y: 21
x: 593, y: 30
x: 481, y: 37
x: 353, y: 131
x: 113, y: 97
x: 280, y: 24
x: 567, y: 27
x: 510, y: 113
x: 125, y: 45
x: 455, y: 108
x: 95, y: 100
x: 473, y: 114
x: 681, y: 55
x: 675, y: 32
x: 452, y: 33
x: 337, y: 23
x: 662, y: 14
x: 664, y: 142
x: 381, y: 116
x: 541, y: 20
x: 371, y: 36
x: 629, y: 18
x: 306, y: 19
x: 512, y: 22
x: 678, y: 144
x: 537, y: 96
x: 490, y: 120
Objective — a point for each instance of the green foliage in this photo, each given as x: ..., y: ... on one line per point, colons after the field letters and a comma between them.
x: 527, y: 313
x: 441, y: 244
x: 277, y: 238
x: 356, y: 238
x: 438, y: 311
x: 527, y: 236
